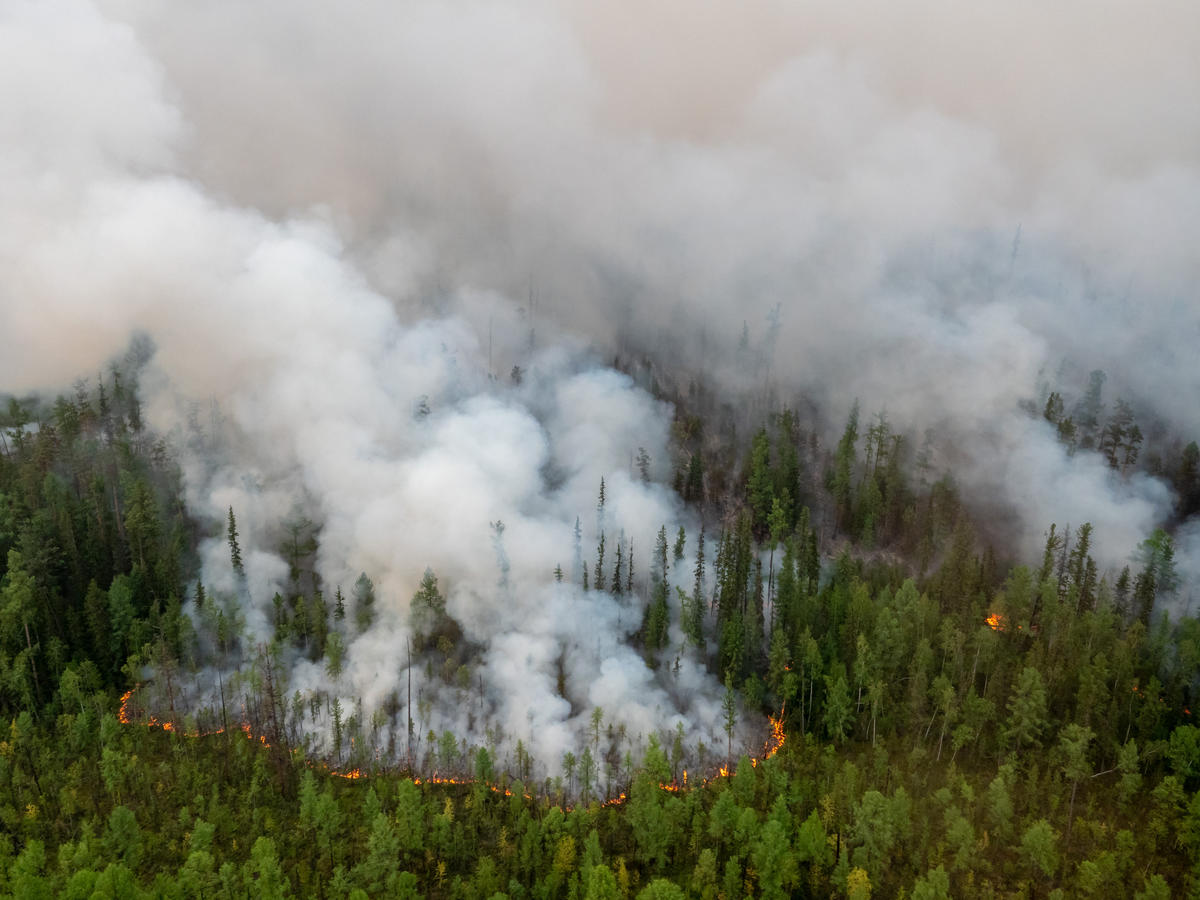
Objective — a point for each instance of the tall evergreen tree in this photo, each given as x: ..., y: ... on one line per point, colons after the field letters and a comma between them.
x: 364, y: 602
x: 235, y: 551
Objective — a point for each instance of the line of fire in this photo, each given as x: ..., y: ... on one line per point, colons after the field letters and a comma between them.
x: 129, y: 715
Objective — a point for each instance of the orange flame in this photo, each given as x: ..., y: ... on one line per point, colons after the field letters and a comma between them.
x: 774, y: 743
x: 778, y: 736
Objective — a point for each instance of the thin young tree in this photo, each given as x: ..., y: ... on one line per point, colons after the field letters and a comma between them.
x: 235, y: 550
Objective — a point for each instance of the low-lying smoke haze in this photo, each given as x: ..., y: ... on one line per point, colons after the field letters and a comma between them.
x: 327, y: 222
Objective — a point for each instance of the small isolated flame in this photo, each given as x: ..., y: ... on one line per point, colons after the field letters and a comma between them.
x: 996, y: 622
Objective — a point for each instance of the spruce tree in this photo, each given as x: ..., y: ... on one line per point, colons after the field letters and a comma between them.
x: 364, y: 602
x: 599, y: 576
x: 235, y: 551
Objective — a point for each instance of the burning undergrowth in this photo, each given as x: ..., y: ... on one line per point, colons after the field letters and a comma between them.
x: 532, y: 502
x: 263, y: 727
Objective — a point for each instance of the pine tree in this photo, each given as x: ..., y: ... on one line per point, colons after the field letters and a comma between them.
x: 643, y: 464
x: 838, y: 707
x: 427, y: 611
x: 841, y: 483
x: 787, y: 474
x: 335, y: 655
x: 776, y: 526
x: 1027, y: 709
x: 657, y: 613
x: 693, y: 486
x: 1121, y: 592
x: 235, y: 551
x: 364, y: 602
x: 618, y: 584
x: 698, y: 606
x: 759, y: 487
x: 598, y: 582
x: 729, y: 710
x: 580, y: 570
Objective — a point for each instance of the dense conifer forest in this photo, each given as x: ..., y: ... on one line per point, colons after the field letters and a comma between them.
x: 540, y: 450
x: 947, y: 722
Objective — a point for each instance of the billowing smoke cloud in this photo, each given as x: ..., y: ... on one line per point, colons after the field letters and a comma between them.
x: 328, y: 224
x: 943, y: 203
x: 392, y: 435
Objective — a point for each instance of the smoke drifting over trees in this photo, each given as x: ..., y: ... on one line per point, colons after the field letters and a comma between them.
x: 341, y: 233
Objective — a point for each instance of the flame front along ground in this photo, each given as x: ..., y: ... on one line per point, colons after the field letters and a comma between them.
x: 773, y: 745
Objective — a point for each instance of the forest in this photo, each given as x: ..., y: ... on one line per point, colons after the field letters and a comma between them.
x: 944, y: 721
x: 529, y: 450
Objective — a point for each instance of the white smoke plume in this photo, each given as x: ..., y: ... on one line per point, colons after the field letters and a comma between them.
x: 942, y: 202
x: 391, y: 435
x: 325, y: 223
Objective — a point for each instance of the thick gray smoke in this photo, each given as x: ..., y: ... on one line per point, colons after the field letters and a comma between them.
x: 944, y: 203
x: 316, y: 397
x: 327, y: 223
